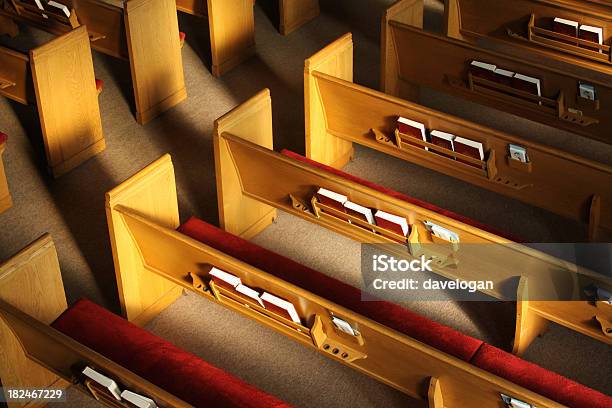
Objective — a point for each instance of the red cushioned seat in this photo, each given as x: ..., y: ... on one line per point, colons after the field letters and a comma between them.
x: 180, y: 373
x: 538, y: 379
x: 182, y: 37
x: 99, y: 85
x: 389, y: 314
x: 403, y: 197
x: 3, y: 138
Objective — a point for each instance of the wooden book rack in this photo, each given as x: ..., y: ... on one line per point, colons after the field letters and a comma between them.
x: 36, y: 355
x: 65, y: 94
x: 339, y: 113
x: 527, y: 25
x: 412, y: 57
x: 148, y: 251
x: 145, y: 32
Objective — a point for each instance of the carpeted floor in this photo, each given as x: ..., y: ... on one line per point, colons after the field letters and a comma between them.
x: 72, y: 207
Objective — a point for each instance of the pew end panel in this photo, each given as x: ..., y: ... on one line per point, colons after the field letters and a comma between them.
x: 238, y: 213
x: 16, y: 76
x: 6, y: 201
x: 409, y: 12
x: 67, y: 100
x: 151, y: 192
x: 232, y: 33
x: 336, y: 59
x: 186, y: 261
x: 31, y: 282
x: 155, y: 56
x: 296, y: 13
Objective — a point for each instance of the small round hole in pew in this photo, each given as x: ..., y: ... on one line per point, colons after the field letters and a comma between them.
x: 335, y: 351
x: 326, y: 347
x: 344, y: 355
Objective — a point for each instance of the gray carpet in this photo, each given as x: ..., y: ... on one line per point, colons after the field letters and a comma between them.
x: 72, y: 207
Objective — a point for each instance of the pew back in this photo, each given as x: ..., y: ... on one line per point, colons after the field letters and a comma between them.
x: 339, y: 112
x: 442, y: 63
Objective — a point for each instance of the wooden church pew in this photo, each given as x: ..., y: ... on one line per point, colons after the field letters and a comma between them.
x: 408, y: 352
x: 339, y: 113
x: 145, y: 32
x: 511, y: 21
x: 413, y: 58
x: 5, y: 195
x: 243, y: 139
x: 45, y: 344
x: 64, y: 93
x: 232, y: 26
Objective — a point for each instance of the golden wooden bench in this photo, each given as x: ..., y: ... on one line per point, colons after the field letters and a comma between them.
x: 247, y: 201
x: 64, y: 93
x: 525, y: 24
x: 413, y: 58
x: 339, y: 113
x: 154, y: 261
x: 232, y: 26
x: 145, y: 32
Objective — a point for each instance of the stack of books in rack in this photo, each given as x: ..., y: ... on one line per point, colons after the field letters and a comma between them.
x: 250, y: 296
x: 505, y: 77
x: 448, y: 141
x: 110, y: 387
x: 574, y: 29
x: 388, y: 221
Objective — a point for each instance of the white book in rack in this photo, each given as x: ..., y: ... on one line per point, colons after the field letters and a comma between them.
x: 469, y: 147
x: 104, y: 381
x: 222, y: 277
x: 281, y: 306
x: 61, y: 7
x: 392, y: 222
x: 138, y: 400
x: 250, y: 293
x: 359, y: 211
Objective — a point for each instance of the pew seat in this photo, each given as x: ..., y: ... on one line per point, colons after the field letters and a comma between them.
x: 160, y: 362
x: 182, y: 37
x: 99, y: 85
x: 443, y: 338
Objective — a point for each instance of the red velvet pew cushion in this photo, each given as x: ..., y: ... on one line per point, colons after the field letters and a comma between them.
x: 403, y: 197
x: 3, y: 138
x: 180, y: 373
x: 538, y: 379
x: 389, y: 314
x: 99, y: 85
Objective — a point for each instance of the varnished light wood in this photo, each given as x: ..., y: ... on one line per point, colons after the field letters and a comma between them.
x: 251, y: 168
x: 31, y: 282
x: 6, y: 201
x: 441, y: 63
x: 435, y: 396
x: 145, y: 32
x: 392, y: 358
x: 58, y: 76
x: 471, y: 20
x: 252, y: 121
x: 339, y: 112
x: 152, y: 191
x: 67, y: 100
x: 35, y: 355
x: 296, y: 13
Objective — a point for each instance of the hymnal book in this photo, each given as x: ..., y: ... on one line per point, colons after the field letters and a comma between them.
x: 331, y: 199
x: 515, y: 403
x: 392, y: 222
x: 224, y: 279
x: 527, y: 84
x: 593, y: 34
x: 60, y: 6
x: 441, y: 232
x: 518, y: 153
x: 343, y: 326
x: 249, y: 294
x: 104, y: 381
x: 504, y: 77
x: 138, y: 400
x: 470, y: 148
x: 567, y: 27
x: 281, y: 307
x: 587, y: 91
x: 360, y: 212
x: 483, y: 70
x: 444, y: 140
x: 413, y: 129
